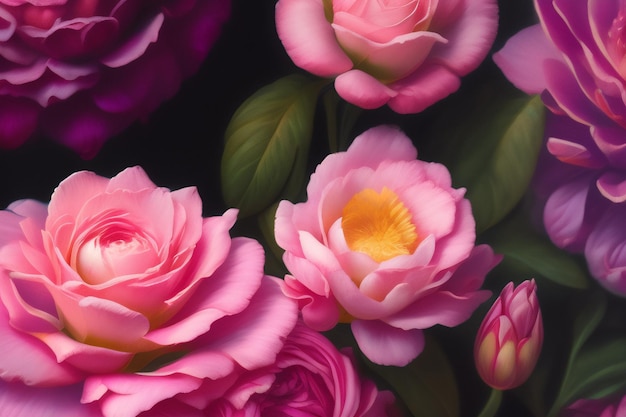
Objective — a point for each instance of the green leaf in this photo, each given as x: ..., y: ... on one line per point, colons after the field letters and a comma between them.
x: 600, y: 370
x: 266, y: 220
x: 493, y: 151
x: 528, y: 253
x: 267, y: 144
x: 586, y: 322
x: 427, y: 385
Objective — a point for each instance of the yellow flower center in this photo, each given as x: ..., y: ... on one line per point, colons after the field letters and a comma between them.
x: 379, y: 225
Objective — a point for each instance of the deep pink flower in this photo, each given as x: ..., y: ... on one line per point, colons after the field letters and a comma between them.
x: 509, y: 340
x: 83, y: 70
x: 408, y: 54
x: 603, y: 407
x: 575, y: 56
x: 385, y: 243
x: 123, y: 285
x: 310, y: 378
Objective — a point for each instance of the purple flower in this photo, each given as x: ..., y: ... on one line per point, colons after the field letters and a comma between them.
x: 82, y: 71
x: 596, y: 408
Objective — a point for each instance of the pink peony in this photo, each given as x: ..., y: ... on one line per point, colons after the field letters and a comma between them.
x: 509, y: 340
x: 123, y: 286
x: 385, y: 243
x: 408, y: 54
x: 310, y: 378
x: 603, y: 407
x: 83, y: 70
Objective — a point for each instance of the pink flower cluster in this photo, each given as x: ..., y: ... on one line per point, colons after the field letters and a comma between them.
x: 407, y: 54
x: 384, y: 243
x: 119, y: 299
x: 575, y: 59
x: 81, y: 71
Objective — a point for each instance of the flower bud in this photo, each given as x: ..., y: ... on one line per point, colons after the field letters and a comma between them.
x: 509, y: 340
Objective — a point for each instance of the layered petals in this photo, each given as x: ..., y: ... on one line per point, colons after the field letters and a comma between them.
x: 385, y: 243
x: 77, y: 71
x: 124, y: 287
x: 377, y: 51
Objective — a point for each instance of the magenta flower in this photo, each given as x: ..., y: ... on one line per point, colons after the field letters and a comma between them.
x: 385, y: 243
x: 576, y: 57
x: 310, y: 378
x: 123, y: 286
x: 596, y: 408
x: 408, y: 54
x: 509, y: 340
x: 82, y: 71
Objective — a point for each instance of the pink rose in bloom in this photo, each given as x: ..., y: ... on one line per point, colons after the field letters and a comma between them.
x: 596, y: 408
x: 509, y: 340
x: 408, y: 54
x: 385, y: 243
x: 81, y: 71
x: 124, y: 287
x: 310, y: 378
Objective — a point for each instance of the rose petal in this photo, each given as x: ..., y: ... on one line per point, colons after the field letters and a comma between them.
x: 386, y: 345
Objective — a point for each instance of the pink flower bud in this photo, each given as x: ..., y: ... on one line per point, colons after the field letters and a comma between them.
x: 509, y: 339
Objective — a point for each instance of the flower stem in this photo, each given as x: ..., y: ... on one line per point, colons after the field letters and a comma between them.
x: 493, y: 404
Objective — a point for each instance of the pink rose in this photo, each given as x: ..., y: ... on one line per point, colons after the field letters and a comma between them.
x: 310, y: 378
x: 124, y: 286
x: 83, y: 70
x: 385, y: 243
x: 407, y: 54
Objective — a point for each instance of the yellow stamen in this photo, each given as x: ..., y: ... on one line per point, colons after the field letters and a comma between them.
x: 379, y: 224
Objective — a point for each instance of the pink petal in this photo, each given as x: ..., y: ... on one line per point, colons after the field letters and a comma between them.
x: 26, y: 358
x: 226, y: 292
x: 612, y: 185
x: 20, y: 400
x: 522, y: 57
x: 386, y: 345
x: 363, y: 90
x: 135, y: 46
x: 564, y: 213
x: 127, y: 395
x: 429, y: 84
x: 469, y: 37
x: 309, y: 38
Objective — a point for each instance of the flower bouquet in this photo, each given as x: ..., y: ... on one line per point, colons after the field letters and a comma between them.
x: 329, y: 208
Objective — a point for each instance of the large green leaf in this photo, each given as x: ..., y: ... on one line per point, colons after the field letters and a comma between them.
x: 492, y: 151
x: 530, y: 254
x: 267, y: 143
x: 427, y: 385
x: 577, y: 371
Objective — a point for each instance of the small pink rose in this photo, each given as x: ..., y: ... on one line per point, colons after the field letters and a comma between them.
x: 310, y: 378
x: 384, y: 242
x: 407, y: 54
x: 123, y: 286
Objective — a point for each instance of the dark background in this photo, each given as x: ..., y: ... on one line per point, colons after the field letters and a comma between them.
x: 181, y: 143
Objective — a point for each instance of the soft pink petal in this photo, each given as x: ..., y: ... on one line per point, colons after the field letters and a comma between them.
x: 429, y: 84
x: 572, y: 153
x: 469, y: 37
x: 309, y: 38
x: 522, y: 57
x: 127, y: 395
x: 386, y: 345
x: 391, y: 60
x: 564, y: 213
x: 363, y: 90
x: 20, y: 400
x: 226, y: 292
x: 253, y: 337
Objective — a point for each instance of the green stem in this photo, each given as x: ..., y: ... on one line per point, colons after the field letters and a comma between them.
x: 493, y: 404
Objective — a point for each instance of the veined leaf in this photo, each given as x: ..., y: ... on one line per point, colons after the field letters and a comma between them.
x: 267, y: 143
